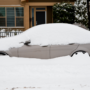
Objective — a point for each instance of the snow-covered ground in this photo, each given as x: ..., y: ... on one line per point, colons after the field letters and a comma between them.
x: 63, y: 73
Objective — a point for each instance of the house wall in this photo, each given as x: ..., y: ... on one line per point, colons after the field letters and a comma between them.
x: 51, y: 0
x: 10, y: 2
x: 27, y: 5
x: 49, y: 14
x: 26, y: 17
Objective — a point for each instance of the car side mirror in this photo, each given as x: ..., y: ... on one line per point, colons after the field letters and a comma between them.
x: 27, y: 43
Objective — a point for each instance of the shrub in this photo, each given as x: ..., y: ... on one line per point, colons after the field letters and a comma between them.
x: 81, y: 15
x: 63, y: 13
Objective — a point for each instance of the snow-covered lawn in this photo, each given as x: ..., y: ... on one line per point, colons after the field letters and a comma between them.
x: 63, y: 73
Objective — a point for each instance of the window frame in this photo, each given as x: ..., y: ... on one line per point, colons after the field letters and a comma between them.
x: 37, y: 11
x: 14, y: 16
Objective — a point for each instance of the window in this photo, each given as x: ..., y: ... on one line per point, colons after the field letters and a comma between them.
x: 32, y: 16
x: 11, y: 16
x: 19, y: 16
x: 2, y: 16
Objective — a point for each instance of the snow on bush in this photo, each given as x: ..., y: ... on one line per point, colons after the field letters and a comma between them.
x: 48, y: 34
x: 81, y: 15
x: 63, y: 13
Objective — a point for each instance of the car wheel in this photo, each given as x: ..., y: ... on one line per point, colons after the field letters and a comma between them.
x: 78, y: 51
x: 2, y: 54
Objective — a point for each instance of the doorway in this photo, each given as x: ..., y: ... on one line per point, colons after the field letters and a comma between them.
x: 38, y: 16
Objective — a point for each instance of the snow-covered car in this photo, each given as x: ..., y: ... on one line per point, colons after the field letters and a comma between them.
x: 47, y: 41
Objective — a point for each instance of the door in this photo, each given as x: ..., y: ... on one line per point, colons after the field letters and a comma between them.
x: 62, y: 50
x: 34, y: 51
x: 38, y: 16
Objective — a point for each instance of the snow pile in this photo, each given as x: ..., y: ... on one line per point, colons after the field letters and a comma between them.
x: 63, y: 73
x: 48, y: 34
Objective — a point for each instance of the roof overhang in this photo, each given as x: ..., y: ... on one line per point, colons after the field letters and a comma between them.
x: 24, y: 0
x: 43, y: 3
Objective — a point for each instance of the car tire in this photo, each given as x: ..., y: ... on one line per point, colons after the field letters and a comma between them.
x: 77, y: 52
x: 3, y: 54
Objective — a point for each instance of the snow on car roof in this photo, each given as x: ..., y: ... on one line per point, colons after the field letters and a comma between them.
x: 48, y: 34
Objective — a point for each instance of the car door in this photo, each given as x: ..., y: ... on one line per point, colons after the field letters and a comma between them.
x: 62, y: 50
x: 34, y: 51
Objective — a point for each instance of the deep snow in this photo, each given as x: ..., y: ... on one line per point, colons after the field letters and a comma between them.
x: 48, y: 34
x: 63, y: 73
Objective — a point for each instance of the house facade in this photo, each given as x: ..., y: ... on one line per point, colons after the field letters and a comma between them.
x: 24, y: 14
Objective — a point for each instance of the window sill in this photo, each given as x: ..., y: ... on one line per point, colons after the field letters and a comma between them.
x: 12, y: 27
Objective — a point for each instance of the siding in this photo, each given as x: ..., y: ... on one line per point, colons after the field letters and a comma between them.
x: 26, y: 16
x: 10, y: 2
x: 50, y: 0
x: 49, y: 14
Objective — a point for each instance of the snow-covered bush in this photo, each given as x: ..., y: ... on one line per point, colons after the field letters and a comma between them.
x: 81, y: 15
x: 63, y: 13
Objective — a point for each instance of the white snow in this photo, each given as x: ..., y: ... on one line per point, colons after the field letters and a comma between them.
x: 48, y: 34
x: 81, y: 10
x: 8, y: 33
x: 63, y: 73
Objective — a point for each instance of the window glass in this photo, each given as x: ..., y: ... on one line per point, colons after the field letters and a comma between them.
x: 14, y: 16
x: 40, y: 8
x: 2, y: 11
x: 32, y: 16
x: 10, y: 17
x: 19, y: 11
x: 2, y: 21
x: 19, y: 22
